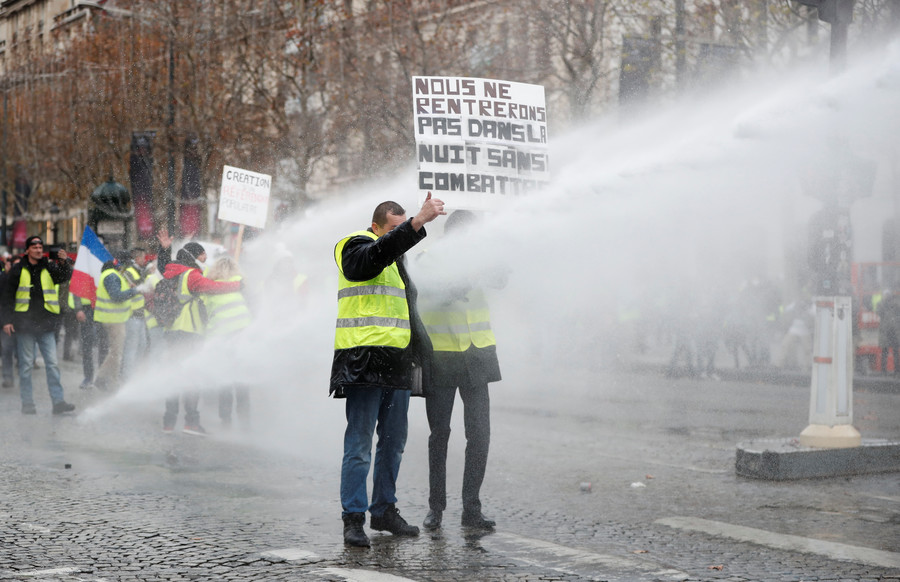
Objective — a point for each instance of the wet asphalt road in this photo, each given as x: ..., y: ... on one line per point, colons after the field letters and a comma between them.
x: 664, y: 502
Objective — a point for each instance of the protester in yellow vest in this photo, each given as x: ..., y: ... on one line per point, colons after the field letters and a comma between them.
x: 378, y: 341
x: 227, y: 315
x: 29, y: 308
x: 465, y: 359
x: 112, y: 311
x: 135, y: 328
x: 185, y: 333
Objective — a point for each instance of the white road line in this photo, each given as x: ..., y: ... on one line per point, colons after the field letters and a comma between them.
x: 882, y: 497
x: 573, y: 561
x: 33, y: 527
x: 363, y: 575
x: 50, y: 572
x: 832, y: 550
x: 293, y: 554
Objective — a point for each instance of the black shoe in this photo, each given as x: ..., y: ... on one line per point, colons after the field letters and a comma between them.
x: 477, y: 520
x: 29, y: 409
x: 392, y: 522
x: 62, y: 407
x: 432, y: 520
x: 354, y: 534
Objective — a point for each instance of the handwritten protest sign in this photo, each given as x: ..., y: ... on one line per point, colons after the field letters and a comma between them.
x: 479, y: 141
x: 244, y: 197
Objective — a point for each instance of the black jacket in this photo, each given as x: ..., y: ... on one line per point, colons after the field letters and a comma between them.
x: 37, y: 319
x: 473, y: 366
x: 377, y: 366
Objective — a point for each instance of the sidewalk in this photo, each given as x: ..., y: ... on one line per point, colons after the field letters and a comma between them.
x: 656, y: 359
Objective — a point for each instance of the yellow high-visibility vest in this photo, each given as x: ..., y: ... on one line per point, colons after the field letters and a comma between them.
x: 48, y: 288
x: 137, y: 302
x: 81, y: 300
x: 106, y: 310
x: 456, y: 325
x: 189, y: 318
x: 227, y: 312
x: 373, y: 312
x: 150, y: 320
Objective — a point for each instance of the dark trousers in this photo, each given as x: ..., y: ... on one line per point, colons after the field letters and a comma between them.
x: 71, y: 328
x: 8, y: 347
x: 179, y: 344
x: 477, y: 421
x: 92, y: 338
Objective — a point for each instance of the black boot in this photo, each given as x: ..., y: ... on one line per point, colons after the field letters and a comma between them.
x: 354, y: 534
x: 432, y: 520
x: 62, y: 407
x: 476, y: 519
x: 392, y: 522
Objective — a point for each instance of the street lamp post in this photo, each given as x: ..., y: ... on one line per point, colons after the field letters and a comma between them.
x: 839, y: 14
x: 54, y: 217
x: 4, y: 240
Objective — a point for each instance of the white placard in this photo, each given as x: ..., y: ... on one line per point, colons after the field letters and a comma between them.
x: 244, y: 197
x: 479, y: 141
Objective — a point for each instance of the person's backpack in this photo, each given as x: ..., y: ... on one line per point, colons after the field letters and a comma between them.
x: 166, y: 303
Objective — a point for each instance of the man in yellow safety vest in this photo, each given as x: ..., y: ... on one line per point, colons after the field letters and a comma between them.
x: 29, y: 308
x: 136, y: 327
x: 379, y: 347
x: 112, y: 311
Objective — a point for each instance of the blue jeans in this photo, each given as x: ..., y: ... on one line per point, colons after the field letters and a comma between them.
x: 135, y: 345
x: 46, y: 342
x: 371, y: 410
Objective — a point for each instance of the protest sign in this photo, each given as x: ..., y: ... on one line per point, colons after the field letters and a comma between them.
x: 479, y: 142
x: 244, y: 197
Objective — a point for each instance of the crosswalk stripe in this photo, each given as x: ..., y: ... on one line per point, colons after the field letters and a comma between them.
x: 363, y: 575
x: 293, y: 554
x: 573, y: 561
x: 48, y: 572
x: 792, y: 543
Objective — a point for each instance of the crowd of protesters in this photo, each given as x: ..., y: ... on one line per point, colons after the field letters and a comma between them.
x: 116, y: 330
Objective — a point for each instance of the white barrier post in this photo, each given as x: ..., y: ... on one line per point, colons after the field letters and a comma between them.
x: 831, y: 394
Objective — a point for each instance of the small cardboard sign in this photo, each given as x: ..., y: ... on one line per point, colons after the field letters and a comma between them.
x: 244, y: 197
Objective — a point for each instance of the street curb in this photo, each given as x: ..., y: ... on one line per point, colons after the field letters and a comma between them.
x: 787, y: 459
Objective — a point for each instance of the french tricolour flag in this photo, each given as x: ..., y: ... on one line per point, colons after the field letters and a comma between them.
x: 88, y: 265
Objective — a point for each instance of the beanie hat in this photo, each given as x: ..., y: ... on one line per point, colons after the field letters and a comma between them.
x: 123, y: 257
x: 32, y: 240
x: 194, y: 248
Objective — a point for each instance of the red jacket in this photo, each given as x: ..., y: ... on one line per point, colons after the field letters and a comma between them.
x: 197, y: 283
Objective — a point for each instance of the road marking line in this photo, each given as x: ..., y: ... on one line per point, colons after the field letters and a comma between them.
x: 568, y: 560
x: 293, y: 554
x: 882, y: 497
x: 832, y: 550
x: 33, y: 527
x: 50, y: 572
x: 363, y: 575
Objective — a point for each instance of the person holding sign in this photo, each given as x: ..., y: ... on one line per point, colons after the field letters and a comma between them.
x: 380, y: 349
